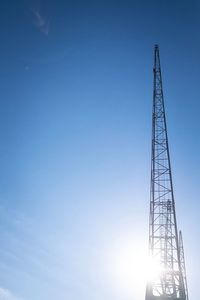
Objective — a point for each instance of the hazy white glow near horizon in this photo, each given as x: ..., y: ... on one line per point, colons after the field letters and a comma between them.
x: 132, y: 267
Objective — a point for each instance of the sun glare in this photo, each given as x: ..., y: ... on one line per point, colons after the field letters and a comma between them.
x: 153, y: 269
x: 132, y: 267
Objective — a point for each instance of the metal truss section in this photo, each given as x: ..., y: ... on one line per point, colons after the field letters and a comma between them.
x: 163, y: 234
x: 183, y: 268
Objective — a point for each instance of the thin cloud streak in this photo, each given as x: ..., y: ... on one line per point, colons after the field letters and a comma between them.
x: 41, y: 22
x: 39, y: 19
x: 44, y: 263
x: 6, y: 294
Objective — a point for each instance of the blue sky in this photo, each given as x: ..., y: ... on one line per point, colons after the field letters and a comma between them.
x: 75, y: 130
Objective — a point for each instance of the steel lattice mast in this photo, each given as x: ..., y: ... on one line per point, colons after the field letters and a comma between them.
x: 182, y: 262
x: 166, y: 253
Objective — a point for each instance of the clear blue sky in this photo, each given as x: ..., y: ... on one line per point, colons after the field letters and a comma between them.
x: 75, y: 133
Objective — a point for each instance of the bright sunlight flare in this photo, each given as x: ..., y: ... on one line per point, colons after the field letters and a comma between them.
x: 131, y: 266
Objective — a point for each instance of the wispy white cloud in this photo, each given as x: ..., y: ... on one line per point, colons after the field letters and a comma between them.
x: 41, y: 22
x: 6, y: 294
x: 33, y: 255
x: 40, y: 19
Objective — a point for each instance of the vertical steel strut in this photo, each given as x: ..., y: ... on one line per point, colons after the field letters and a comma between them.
x: 166, y: 281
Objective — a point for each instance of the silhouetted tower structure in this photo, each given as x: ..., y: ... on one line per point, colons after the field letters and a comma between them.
x: 165, y: 246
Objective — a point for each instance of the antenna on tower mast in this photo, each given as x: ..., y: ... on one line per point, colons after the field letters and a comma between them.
x: 165, y: 247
